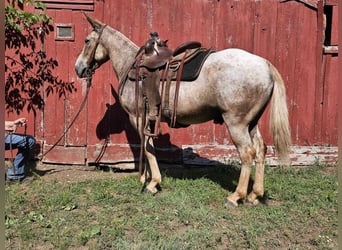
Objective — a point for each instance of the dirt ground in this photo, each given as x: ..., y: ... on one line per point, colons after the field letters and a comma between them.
x: 74, y: 173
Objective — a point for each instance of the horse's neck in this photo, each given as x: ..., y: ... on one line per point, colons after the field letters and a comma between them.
x: 122, y: 52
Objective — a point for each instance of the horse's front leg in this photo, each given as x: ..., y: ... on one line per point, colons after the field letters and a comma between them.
x: 138, y: 125
x: 145, y: 175
x: 150, y: 154
x: 151, y: 170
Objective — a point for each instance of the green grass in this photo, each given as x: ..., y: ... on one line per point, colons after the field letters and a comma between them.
x: 300, y: 212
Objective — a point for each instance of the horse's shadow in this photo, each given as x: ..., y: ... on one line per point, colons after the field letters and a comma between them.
x: 115, y: 121
x: 225, y: 175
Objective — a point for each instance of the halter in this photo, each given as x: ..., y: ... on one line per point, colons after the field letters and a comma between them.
x: 93, y: 65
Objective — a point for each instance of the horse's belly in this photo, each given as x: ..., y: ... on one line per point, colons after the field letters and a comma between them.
x: 197, y: 117
x: 196, y: 107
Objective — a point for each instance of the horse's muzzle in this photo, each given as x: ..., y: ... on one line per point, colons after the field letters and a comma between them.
x: 80, y: 69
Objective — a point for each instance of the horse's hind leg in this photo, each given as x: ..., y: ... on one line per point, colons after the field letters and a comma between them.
x: 242, y: 140
x: 260, y: 148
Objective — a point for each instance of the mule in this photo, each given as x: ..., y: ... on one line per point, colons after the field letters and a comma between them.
x: 233, y: 85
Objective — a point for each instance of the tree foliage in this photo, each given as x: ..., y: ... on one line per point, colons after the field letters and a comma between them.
x: 29, y: 71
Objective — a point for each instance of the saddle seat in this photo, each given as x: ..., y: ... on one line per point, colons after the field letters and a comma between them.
x: 187, y: 45
x: 156, y: 59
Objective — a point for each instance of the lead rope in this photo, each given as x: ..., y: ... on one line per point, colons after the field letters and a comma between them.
x: 106, y: 141
x: 140, y: 127
x: 89, y: 78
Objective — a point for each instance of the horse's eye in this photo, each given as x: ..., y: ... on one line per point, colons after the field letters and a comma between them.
x: 86, y: 41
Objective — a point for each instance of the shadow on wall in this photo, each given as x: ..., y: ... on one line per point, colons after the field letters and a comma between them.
x: 115, y: 121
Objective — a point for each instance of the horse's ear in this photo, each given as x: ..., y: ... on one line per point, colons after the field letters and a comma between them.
x: 96, y: 24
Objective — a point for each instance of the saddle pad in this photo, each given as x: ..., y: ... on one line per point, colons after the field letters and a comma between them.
x: 192, y: 68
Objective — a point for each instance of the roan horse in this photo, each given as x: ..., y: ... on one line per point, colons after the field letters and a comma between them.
x: 233, y: 84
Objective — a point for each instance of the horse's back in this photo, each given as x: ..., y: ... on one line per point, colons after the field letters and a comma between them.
x: 235, y: 62
x: 229, y: 72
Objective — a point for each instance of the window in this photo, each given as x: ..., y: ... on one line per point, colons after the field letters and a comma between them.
x: 330, y: 43
x: 64, y: 32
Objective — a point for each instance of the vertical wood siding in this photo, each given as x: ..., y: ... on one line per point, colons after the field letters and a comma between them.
x: 285, y: 33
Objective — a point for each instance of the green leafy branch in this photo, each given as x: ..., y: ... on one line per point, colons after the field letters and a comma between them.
x: 28, y: 69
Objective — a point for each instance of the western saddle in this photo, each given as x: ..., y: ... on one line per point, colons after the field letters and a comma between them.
x: 155, y: 63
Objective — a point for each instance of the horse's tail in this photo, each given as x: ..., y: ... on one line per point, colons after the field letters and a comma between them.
x: 279, y: 118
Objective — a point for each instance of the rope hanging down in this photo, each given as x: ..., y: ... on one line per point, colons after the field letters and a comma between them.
x: 89, y: 78
x: 89, y: 74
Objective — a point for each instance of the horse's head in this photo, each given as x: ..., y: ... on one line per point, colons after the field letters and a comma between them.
x: 93, y: 54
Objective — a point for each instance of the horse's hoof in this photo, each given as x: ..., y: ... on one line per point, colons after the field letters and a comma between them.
x: 142, y: 180
x: 231, y: 204
x: 150, y: 191
x: 254, y: 202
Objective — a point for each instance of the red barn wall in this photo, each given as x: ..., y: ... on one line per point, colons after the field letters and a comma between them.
x: 288, y: 33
